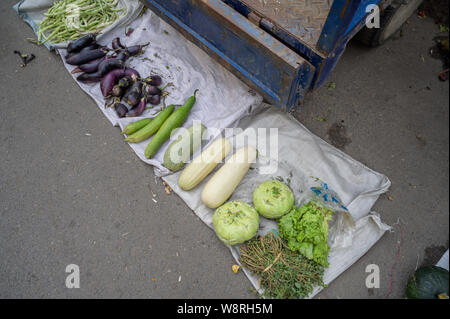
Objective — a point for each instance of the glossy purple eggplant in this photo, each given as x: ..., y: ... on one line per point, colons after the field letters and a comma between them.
x: 138, y: 109
x: 121, y: 109
x: 80, y: 43
x: 136, y: 87
x: 133, y: 98
x: 93, y: 46
x: 117, y: 91
x: 123, y: 55
x: 132, y: 73
x: 136, y: 49
x: 89, y: 78
x: 103, y: 68
x: 125, y: 82
x: 154, y: 99
x: 154, y: 80
x: 89, y: 67
x: 153, y: 90
x: 84, y: 57
x: 108, y: 65
x: 109, y: 80
x: 116, y: 45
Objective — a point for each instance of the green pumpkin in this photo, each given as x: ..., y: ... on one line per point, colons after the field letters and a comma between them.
x: 428, y: 283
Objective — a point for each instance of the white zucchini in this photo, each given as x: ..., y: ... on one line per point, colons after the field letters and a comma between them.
x: 223, y: 183
x: 204, y: 164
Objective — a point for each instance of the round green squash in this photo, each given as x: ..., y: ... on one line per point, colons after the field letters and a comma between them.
x: 235, y: 222
x: 428, y: 283
x: 273, y: 199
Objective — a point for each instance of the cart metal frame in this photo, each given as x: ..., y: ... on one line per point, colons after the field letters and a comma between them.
x: 273, y: 54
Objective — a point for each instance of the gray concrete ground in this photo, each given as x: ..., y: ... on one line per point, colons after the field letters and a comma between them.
x: 72, y: 192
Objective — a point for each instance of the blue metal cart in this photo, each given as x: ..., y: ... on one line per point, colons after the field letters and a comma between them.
x: 281, y: 48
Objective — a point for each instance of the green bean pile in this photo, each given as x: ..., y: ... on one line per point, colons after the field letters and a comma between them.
x: 67, y: 20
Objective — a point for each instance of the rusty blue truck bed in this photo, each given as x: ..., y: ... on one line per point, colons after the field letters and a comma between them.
x: 281, y: 48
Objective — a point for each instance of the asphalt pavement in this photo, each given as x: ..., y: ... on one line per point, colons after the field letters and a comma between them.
x: 72, y: 192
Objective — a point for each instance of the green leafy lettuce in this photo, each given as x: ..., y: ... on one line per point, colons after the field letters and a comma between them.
x: 306, y: 230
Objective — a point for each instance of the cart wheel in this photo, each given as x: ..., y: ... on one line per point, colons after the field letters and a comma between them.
x: 391, y: 20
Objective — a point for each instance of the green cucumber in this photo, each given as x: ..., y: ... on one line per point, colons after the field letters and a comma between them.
x: 174, y: 121
x: 135, y: 126
x: 181, y: 149
x: 150, y: 129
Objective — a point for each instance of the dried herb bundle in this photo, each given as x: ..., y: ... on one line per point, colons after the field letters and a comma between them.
x: 282, y: 273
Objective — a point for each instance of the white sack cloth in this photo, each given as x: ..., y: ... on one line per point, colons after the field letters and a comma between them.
x: 306, y: 161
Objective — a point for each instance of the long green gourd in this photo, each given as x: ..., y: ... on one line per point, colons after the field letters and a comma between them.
x: 148, y: 130
x: 136, y: 126
x: 175, y: 120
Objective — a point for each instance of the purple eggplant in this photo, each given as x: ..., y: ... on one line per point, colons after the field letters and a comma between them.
x: 153, y: 90
x: 108, y: 65
x: 136, y: 49
x: 84, y: 57
x: 138, y: 109
x: 133, y: 98
x: 121, y: 109
x: 93, y: 46
x: 89, y: 67
x: 120, y: 88
x: 154, y: 99
x: 154, y: 80
x: 89, y: 78
x: 136, y: 87
x: 134, y: 93
x: 80, y: 43
x: 123, y: 55
x: 125, y: 82
x: 116, y: 45
x: 103, y: 68
x: 109, y: 80
x: 117, y: 91
x: 132, y: 73
x: 92, y: 66
x: 69, y: 55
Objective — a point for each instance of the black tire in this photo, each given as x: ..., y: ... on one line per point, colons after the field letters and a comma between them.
x: 391, y: 20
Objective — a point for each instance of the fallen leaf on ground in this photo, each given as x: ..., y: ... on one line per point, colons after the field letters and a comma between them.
x: 167, y: 188
x: 235, y: 268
